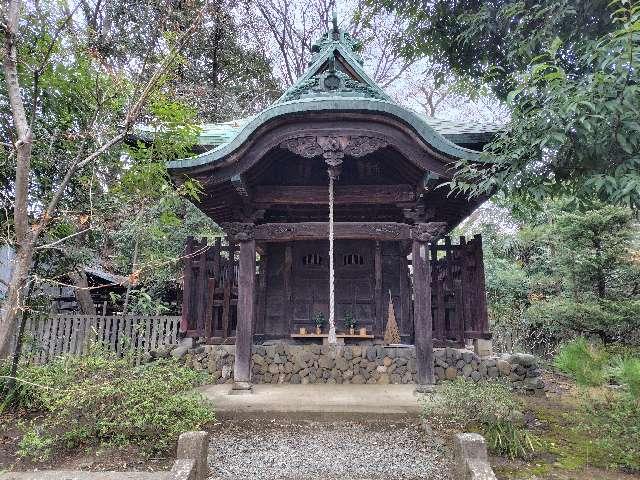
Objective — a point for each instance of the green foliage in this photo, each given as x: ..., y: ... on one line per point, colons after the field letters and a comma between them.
x: 562, y: 273
x: 557, y: 319
x: 318, y: 319
x: 101, y: 400
x: 572, y: 135
x: 511, y: 32
x: 569, y: 72
x: 612, y: 424
x: 349, y: 321
x: 486, y: 406
x: 584, y: 361
x: 508, y: 439
x: 592, y: 246
x: 626, y: 371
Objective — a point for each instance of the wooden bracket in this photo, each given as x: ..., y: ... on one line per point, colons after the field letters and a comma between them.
x: 240, y: 186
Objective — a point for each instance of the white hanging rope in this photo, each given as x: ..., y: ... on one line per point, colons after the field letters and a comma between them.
x: 332, y: 325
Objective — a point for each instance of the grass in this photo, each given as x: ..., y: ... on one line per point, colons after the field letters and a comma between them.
x: 487, y: 407
x: 592, y: 430
x: 584, y: 361
x: 587, y: 432
x: 570, y: 443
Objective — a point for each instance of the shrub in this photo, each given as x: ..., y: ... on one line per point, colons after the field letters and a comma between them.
x: 101, y: 400
x: 553, y: 321
x: 489, y: 407
x: 626, y: 370
x: 584, y: 361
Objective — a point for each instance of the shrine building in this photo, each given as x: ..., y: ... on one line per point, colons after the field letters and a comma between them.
x: 334, y: 155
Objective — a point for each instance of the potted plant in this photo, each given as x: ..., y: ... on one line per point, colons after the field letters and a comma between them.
x: 318, y: 318
x: 350, y: 323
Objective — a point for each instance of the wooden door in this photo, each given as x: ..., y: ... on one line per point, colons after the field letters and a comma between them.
x: 354, y: 282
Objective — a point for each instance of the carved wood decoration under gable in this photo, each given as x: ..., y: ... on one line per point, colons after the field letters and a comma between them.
x: 418, y: 213
x: 333, y: 148
x: 239, y: 231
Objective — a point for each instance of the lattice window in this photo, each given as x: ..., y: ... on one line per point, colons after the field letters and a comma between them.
x: 312, y: 259
x: 368, y: 169
x: 353, y: 259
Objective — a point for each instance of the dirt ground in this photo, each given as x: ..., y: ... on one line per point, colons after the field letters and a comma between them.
x: 101, y: 460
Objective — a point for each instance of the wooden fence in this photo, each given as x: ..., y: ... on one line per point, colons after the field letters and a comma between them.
x: 458, y: 298
x: 75, y: 334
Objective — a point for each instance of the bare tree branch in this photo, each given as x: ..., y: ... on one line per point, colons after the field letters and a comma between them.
x: 62, y: 240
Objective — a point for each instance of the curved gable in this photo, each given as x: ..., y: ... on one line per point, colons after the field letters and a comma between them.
x: 438, y: 144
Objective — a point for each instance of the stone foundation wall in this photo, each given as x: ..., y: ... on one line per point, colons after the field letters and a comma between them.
x: 304, y: 364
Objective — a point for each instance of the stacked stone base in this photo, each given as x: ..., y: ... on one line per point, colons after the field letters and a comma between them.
x: 375, y: 364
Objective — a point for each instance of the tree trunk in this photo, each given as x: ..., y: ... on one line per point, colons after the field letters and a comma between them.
x: 83, y: 296
x: 13, y: 304
x: 17, y: 352
x: 134, y: 267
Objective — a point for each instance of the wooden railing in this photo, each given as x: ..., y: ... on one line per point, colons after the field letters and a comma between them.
x: 75, y: 334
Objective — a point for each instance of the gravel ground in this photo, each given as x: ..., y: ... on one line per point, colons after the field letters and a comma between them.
x: 265, y: 450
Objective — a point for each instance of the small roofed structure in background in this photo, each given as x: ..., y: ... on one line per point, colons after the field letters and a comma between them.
x: 63, y: 293
x: 266, y: 182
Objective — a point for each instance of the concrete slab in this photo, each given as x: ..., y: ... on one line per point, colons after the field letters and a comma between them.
x: 315, y: 401
x: 77, y: 475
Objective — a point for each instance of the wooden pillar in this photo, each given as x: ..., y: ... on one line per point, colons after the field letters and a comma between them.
x: 187, y: 286
x: 422, y: 315
x: 261, y: 302
x: 288, y: 287
x: 379, y: 325
x: 244, y: 329
x: 202, y: 291
x: 481, y: 298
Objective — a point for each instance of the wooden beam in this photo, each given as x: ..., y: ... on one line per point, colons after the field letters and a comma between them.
x: 423, y: 323
x: 382, y: 231
x: 344, y: 194
x: 244, y: 329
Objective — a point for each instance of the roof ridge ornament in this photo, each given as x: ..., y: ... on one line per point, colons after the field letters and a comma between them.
x: 335, y: 35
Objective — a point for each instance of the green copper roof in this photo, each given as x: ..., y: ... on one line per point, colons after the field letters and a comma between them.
x: 335, y: 104
x: 211, y: 134
x: 461, y: 133
x: 335, y: 81
x: 216, y: 134
x: 335, y: 70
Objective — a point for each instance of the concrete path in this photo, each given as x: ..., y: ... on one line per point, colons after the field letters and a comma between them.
x: 315, y: 401
x: 76, y: 475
